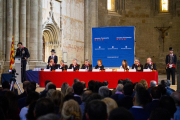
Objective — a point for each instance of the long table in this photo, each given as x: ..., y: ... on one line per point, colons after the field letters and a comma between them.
x: 112, y: 77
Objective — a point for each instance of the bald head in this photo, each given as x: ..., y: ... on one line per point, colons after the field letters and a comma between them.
x: 176, y: 97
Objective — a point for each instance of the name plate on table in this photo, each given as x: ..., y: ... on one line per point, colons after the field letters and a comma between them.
x: 47, y: 70
x: 58, y: 70
x: 132, y: 70
x: 120, y: 70
x: 82, y: 70
x: 70, y: 70
x: 108, y: 70
x: 95, y: 70
x: 147, y: 70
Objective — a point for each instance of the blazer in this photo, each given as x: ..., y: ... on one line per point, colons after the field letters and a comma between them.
x: 174, y: 60
x: 101, y: 67
x: 64, y: 67
x: 151, y: 66
x: 55, y: 59
x: 138, y: 68
x: 88, y: 67
x: 75, y: 68
x: 139, y: 113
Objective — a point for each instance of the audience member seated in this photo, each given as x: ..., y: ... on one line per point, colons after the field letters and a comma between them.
x: 163, y: 90
x: 6, y: 87
x: 13, y: 111
x: 43, y: 93
x: 75, y: 81
x: 57, y: 98
x: 168, y: 103
x: 104, y: 91
x: 4, y: 105
x: 167, y: 84
x: 176, y: 97
x: 69, y: 91
x: 118, y: 92
x: 71, y: 111
x: 160, y: 114
x: 91, y: 85
x: 33, y: 96
x: 84, y: 84
x: 34, y: 83
x: 127, y: 80
x: 156, y: 95
x: 24, y: 94
x: 68, y: 97
x: 120, y: 114
x: 96, y: 110
x: 106, y: 84
x: 85, y: 96
x: 64, y: 87
x: 97, y: 86
x: 110, y: 104
x: 139, y: 101
x: 152, y: 84
x: 43, y: 106
x: 78, y: 91
x: 52, y: 86
x: 127, y: 101
x: 49, y: 93
x: 49, y: 116
x: 144, y: 83
x: 30, y: 113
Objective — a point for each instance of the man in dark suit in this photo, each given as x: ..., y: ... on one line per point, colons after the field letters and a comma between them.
x: 156, y: 95
x: 24, y: 54
x: 62, y: 65
x: 74, y: 66
x: 150, y: 65
x: 87, y: 66
x: 171, y: 60
x: 52, y: 65
x: 53, y: 56
x: 137, y: 65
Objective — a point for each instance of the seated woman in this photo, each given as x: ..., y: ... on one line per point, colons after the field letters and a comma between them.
x: 51, y: 65
x: 74, y: 66
x: 124, y: 65
x: 99, y: 65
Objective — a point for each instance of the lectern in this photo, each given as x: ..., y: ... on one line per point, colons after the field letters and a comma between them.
x: 18, y: 68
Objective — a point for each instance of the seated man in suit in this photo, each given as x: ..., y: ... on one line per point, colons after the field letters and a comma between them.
x: 51, y: 65
x: 74, y: 66
x: 137, y: 65
x: 62, y: 65
x: 53, y: 56
x: 150, y: 65
x: 87, y: 66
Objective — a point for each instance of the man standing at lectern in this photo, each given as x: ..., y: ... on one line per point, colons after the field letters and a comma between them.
x: 171, y: 62
x: 24, y: 54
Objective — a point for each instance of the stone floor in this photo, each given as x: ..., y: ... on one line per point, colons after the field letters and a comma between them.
x: 160, y: 77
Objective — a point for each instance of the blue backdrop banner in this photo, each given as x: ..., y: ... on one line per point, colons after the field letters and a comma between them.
x: 113, y: 45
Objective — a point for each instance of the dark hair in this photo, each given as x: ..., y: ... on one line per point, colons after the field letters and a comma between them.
x: 120, y: 81
x: 125, y: 67
x: 52, y: 86
x: 142, y: 96
x: 33, y: 83
x: 68, y: 97
x: 164, y: 83
x: 128, y: 89
x: 30, y: 88
x: 4, y: 104
x: 86, y: 95
x: 76, y: 80
x: 5, y: 85
x: 168, y: 103
x: 160, y: 114
x: 33, y: 96
x: 2, y: 114
x: 105, y: 83
x: 155, y: 93
x: 97, y: 86
x: 97, y: 110
x: 78, y: 88
x: 126, y: 81
x: 30, y: 113
x: 46, y: 82
x: 43, y: 107
x: 162, y: 89
x: 20, y: 43
x: 134, y: 84
x: 120, y: 114
x: 25, y: 84
x: 91, y: 85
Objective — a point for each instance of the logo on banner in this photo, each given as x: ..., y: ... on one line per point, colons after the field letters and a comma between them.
x: 99, y: 48
x: 112, y: 48
x: 126, y: 48
x: 101, y: 38
x: 122, y: 38
x: 112, y: 56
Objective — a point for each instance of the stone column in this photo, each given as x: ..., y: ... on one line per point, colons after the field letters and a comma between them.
x: 1, y: 28
x: 23, y: 22
x: 16, y: 24
x: 27, y: 23
x: 33, y: 44
x: 40, y: 33
x: 9, y: 28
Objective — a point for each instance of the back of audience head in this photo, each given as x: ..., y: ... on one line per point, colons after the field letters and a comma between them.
x: 104, y: 91
x: 84, y: 84
x: 49, y: 93
x: 78, y: 88
x: 33, y: 83
x: 6, y: 85
x: 76, y: 81
x: 71, y: 110
x: 85, y: 95
x: 160, y: 114
x: 144, y: 83
x: 128, y: 89
x: 105, y: 83
x: 50, y: 116
x: 162, y: 89
x: 64, y: 87
x: 33, y: 96
x: 91, y: 85
x: 155, y: 93
x: 47, y: 85
x: 153, y: 83
x: 69, y: 91
x: 30, y: 88
x: 120, y: 81
x: 127, y: 80
x: 138, y: 85
x: 176, y: 97
x: 43, y: 107
x: 120, y: 114
x: 96, y: 110
x: 134, y: 84
x: 46, y: 82
x: 168, y: 103
x: 110, y: 104
x: 68, y: 97
x: 97, y: 86
x: 166, y: 83
x: 25, y: 84
x: 119, y: 87
x: 52, y: 86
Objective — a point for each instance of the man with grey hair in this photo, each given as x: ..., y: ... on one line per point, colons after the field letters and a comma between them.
x: 62, y: 65
x: 150, y: 65
x: 166, y: 84
x: 153, y: 83
x: 74, y: 65
x: 87, y: 66
x: 119, y: 93
x: 137, y: 65
x: 176, y: 97
x: 104, y: 91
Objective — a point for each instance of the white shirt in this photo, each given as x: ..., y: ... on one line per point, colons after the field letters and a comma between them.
x: 137, y: 107
x: 122, y: 67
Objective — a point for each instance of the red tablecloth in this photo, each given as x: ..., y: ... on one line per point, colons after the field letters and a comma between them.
x: 112, y: 77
